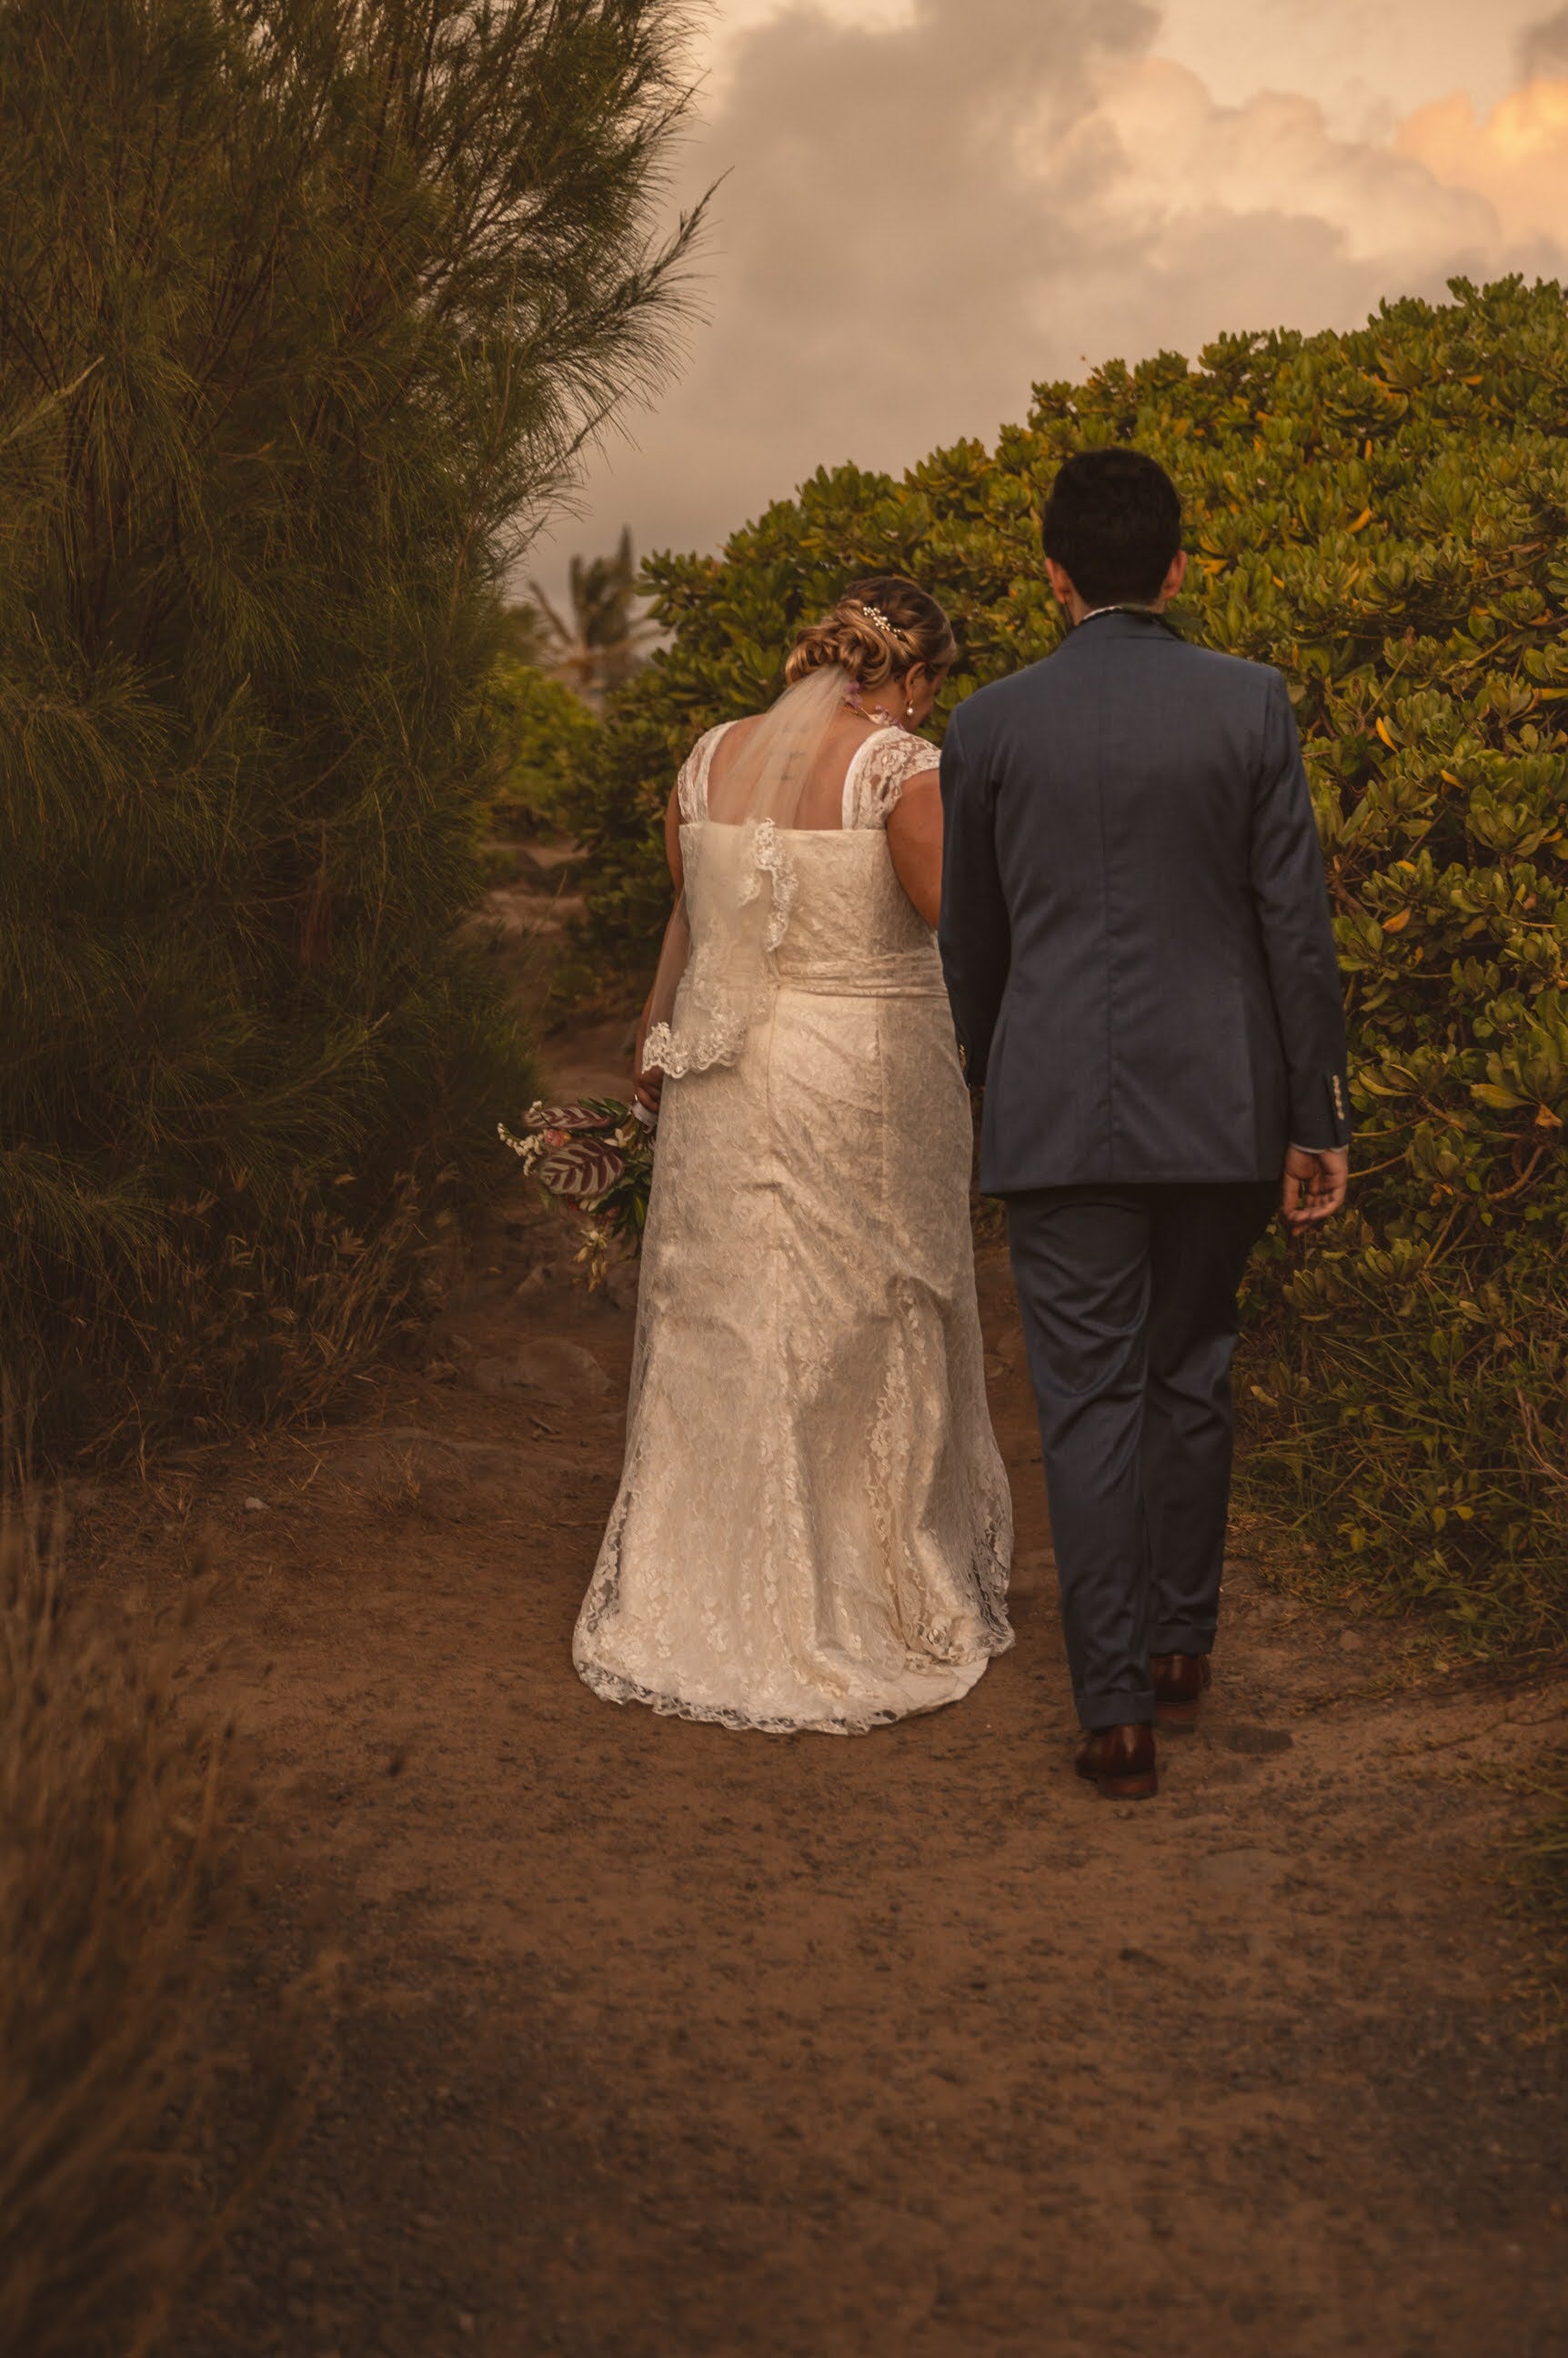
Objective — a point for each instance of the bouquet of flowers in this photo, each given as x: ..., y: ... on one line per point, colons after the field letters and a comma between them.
x: 597, y: 1159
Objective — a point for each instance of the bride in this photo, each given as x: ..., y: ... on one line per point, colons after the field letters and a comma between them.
x: 813, y: 1526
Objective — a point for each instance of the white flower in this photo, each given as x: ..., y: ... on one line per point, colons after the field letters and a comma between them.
x: 527, y: 1149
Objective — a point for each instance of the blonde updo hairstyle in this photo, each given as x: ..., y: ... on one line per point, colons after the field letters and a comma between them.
x: 878, y: 632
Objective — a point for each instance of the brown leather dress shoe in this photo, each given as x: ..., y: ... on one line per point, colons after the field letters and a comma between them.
x: 1120, y: 1761
x: 1181, y: 1681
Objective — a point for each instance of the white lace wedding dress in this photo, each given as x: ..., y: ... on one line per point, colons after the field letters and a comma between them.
x: 813, y: 1526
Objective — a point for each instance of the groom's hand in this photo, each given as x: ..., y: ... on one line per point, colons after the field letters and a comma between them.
x: 1315, y: 1185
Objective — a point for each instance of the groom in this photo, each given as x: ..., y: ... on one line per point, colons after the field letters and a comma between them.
x: 1136, y: 934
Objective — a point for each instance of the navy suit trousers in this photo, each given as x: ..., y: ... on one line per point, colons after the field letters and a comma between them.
x: 1129, y: 1299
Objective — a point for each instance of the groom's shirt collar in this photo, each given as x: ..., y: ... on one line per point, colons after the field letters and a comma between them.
x: 1136, y: 613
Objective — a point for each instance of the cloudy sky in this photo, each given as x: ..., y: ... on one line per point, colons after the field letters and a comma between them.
x: 928, y: 205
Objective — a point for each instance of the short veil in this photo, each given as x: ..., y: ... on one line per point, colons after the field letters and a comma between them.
x: 734, y: 912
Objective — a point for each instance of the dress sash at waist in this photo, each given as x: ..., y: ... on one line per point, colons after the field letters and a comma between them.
x: 896, y: 973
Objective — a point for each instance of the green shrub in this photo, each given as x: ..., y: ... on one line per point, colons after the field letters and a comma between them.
x: 303, y: 306
x: 1382, y: 514
x: 548, y: 734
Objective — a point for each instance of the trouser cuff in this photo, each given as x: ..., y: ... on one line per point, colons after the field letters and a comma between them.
x: 1181, y: 1637
x: 1131, y: 1707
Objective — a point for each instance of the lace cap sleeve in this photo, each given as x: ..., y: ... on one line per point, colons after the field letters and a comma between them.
x: 882, y: 768
x: 691, y: 786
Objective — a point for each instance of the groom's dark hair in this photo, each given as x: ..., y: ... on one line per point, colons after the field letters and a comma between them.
x: 1113, y: 523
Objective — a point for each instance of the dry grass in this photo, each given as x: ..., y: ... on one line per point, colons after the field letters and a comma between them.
x: 120, y: 1899
x: 1539, y: 1869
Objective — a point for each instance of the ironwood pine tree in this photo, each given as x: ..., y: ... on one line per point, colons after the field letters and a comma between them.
x: 305, y: 308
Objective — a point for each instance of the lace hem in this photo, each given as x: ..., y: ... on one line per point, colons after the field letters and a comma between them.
x: 611, y: 1687
x: 676, y: 1053
x: 989, y: 1576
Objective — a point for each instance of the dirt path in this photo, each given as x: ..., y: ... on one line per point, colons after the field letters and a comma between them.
x: 669, y: 2040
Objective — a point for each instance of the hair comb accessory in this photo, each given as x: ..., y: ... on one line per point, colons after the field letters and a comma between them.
x: 875, y: 614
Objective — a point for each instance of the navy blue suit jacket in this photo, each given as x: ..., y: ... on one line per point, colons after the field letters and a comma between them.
x: 1135, y: 924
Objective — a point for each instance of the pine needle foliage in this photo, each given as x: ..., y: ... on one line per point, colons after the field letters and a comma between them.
x: 306, y: 306
x: 1383, y: 514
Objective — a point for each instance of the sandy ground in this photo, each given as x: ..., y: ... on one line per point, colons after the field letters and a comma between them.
x: 666, y: 2039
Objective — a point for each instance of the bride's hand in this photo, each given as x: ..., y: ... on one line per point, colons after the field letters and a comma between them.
x: 647, y: 1082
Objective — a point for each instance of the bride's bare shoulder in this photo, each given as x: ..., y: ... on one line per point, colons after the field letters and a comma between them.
x: 722, y: 743
x: 734, y: 732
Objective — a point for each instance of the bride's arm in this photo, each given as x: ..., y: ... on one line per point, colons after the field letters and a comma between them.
x: 645, y: 1086
x: 648, y: 1086
x: 672, y: 840
x: 914, y: 839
